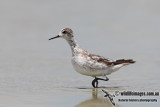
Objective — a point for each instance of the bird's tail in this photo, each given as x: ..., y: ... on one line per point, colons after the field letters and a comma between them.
x: 124, y: 61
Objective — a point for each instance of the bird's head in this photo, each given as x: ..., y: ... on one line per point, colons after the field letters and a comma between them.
x: 65, y: 33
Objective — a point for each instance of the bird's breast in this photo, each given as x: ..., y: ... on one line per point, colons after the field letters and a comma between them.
x: 88, y: 67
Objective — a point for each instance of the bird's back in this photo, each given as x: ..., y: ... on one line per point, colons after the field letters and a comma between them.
x: 95, y: 65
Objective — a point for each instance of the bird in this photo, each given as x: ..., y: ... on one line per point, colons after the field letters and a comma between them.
x: 89, y: 64
x: 109, y: 96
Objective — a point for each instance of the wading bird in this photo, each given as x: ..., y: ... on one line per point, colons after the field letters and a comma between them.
x: 91, y: 64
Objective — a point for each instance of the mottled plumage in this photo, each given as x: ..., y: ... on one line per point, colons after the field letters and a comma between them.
x: 90, y: 64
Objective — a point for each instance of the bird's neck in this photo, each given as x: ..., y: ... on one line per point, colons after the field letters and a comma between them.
x: 74, y: 46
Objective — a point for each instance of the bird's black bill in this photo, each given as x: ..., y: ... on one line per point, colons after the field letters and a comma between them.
x: 54, y: 37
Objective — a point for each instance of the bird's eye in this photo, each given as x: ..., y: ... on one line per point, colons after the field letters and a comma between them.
x: 64, y: 32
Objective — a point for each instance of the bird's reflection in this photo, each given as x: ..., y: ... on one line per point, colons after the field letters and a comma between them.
x: 96, y: 101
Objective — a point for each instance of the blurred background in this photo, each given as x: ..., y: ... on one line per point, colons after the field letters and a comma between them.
x: 30, y: 63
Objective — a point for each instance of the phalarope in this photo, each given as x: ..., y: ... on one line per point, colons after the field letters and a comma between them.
x: 90, y: 64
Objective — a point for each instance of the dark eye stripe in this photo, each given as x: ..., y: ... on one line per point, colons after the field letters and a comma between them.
x: 64, y: 32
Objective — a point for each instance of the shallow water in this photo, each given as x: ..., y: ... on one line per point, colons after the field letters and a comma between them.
x: 37, y: 72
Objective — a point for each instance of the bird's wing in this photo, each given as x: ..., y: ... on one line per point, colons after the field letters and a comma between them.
x: 101, y: 59
x: 110, y: 62
x: 104, y: 91
x: 123, y: 61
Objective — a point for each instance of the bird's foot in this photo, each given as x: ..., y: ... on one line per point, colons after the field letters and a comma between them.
x: 95, y: 81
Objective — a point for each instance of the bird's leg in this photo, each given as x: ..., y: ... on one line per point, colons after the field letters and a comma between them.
x: 103, y: 79
x: 96, y: 81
